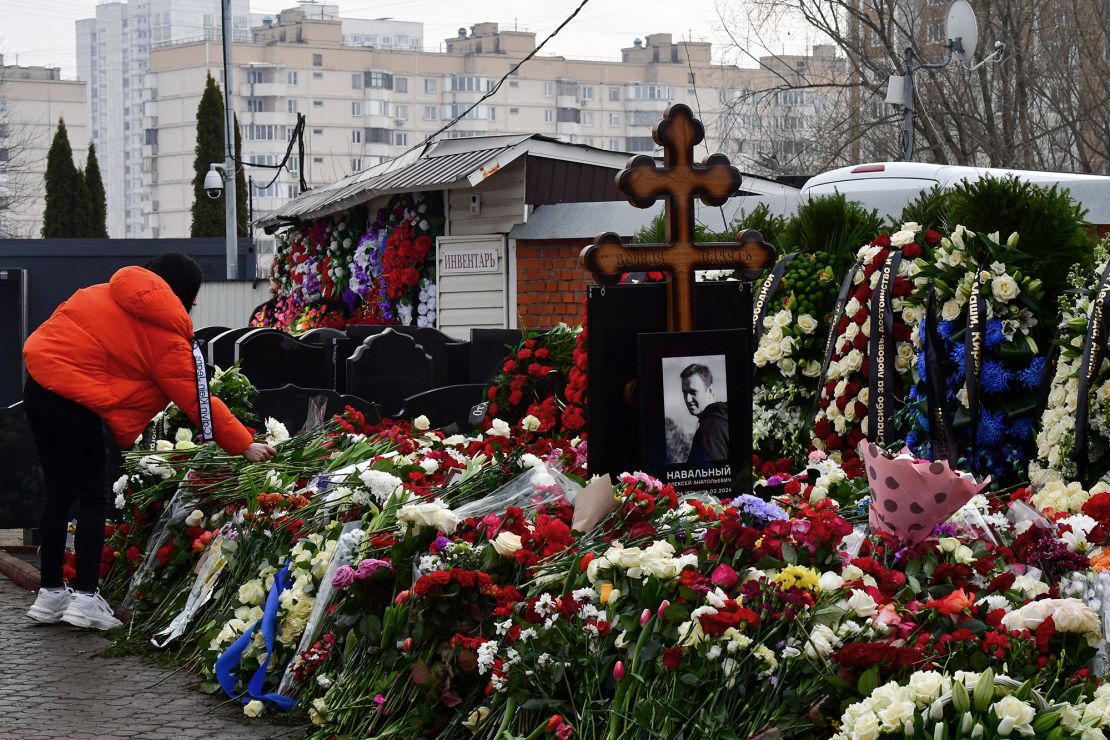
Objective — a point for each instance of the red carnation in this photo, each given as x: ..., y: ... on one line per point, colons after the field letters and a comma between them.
x: 672, y: 658
x: 911, y: 251
x: 932, y: 238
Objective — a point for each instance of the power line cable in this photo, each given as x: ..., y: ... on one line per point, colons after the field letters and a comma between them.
x: 492, y: 91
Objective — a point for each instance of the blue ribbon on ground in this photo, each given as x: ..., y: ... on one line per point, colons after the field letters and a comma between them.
x: 233, y: 656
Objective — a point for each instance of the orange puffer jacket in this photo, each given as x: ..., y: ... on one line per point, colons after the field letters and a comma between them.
x: 123, y: 350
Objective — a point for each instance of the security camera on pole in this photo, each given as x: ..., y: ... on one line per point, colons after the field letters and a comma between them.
x: 962, y: 31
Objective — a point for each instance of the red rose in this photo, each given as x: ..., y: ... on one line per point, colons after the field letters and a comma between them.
x: 911, y: 251
x: 1098, y: 507
x: 932, y: 238
x: 882, y: 240
x: 672, y: 658
x: 833, y: 442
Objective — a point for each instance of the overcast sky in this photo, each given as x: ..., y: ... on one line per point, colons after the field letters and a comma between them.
x: 42, y: 31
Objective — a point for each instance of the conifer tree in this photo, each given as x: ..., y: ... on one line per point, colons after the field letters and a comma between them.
x: 208, y: 214
x: 98, y: 201
x: 61, y: 217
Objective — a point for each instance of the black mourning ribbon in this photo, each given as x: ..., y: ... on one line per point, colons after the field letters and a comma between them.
x: 204, y: 397
x: 973, y: 356
x: 767, y: 296
x: 1093, y: 345
x: 881, y: 353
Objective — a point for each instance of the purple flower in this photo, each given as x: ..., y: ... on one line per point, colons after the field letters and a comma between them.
x: 343, y: 577
x: 370, y: 566
x: 764, y: 512
x: 775, y: 480
x: 944, y: 530
x: 440, y: 543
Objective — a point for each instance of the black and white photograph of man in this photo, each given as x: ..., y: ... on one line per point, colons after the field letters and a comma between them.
x: 696, y: 409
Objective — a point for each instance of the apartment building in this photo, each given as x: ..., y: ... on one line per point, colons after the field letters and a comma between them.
x: 32, y: 99
x: 365, y: 105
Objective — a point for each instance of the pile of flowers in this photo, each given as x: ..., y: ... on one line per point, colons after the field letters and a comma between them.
x: 527, y: 387
x: 349, y: 268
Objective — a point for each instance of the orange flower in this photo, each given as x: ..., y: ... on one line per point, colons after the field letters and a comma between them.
x: 1101, y: 562
x: 954, y: 603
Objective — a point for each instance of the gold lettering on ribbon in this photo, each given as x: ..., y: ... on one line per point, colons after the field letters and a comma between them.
x: 759, y: 303
x: 880, y: 361
x: 973, y: 327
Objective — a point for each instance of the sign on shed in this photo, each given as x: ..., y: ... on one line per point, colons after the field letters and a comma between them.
x: 472, y: 283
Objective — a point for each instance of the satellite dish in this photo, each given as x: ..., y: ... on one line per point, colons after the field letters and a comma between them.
x: 962, y: 30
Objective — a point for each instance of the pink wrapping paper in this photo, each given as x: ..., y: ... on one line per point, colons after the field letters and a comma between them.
x: 909, y: 497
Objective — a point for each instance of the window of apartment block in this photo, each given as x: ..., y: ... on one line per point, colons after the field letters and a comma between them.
x: 317, y: 160
x: 614, y: 119
x: 549, y: 89
x: 291, y: 78
x: 317, y: 132
x: 514, y: 111
x: 377, y: 107
x: 549, y: 115
x: 356, y: 164
x: 356, y: 136
x: 615, y: 145
x: 254, y: 105
x: 400, y: 138
x: 642, y: 118
x: 317, y: 103
x: 401, y: 84
x: 430, y: 85
x: 356, y: 108
x: 431, y: 113
x: 291, y: 105
x: 568, y: 115
x: 614, y: 94
x: 587, y: 118
x: 934, y: 32
x: 317, y: 60
x: 588, y: 141
x: 356, y: 81
x: 379, y: 80
x: 379, y: 136
x: 586, y: 92
x: 640, y: 144
x: 401, y: 112
x: 254, y: 76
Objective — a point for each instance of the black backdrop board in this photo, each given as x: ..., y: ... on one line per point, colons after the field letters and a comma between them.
x: 694, y: 389
x: 616, y: 316
x: 13, y: 333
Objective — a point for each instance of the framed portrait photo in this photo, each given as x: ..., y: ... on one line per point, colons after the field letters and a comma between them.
x: 695, y: 399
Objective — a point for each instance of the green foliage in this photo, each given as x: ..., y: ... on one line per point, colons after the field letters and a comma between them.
x: 1052, y: 227
x: 928, y: 209
x: 656, y: 233
x: 242, y: 214
x: 68, y: 211
x: 762, y: 220
x: 98, y: 227
x: 208, y: 214
x: 831, y: 224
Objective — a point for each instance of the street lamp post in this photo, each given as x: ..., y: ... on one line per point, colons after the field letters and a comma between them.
x: 230, y: 225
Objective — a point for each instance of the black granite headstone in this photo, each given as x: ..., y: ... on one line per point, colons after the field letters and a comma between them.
x: 322, y: 336
x: 488, y: 350
x: 616, y: 316
x: 221, y: 348
x: 271, y: 359
x: 292, y: 405
x: 446, y: 405
x: 206, y: 334
x: 387, y: 369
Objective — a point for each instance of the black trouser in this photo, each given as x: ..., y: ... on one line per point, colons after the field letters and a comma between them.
x: 79, y: 460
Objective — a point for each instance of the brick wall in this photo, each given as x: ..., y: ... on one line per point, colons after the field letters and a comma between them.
x: 551, y: 285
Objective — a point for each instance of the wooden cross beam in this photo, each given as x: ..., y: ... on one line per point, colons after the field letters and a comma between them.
x: 679, y: 181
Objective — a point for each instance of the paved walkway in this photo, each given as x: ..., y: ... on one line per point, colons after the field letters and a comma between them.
x: 54, y: 684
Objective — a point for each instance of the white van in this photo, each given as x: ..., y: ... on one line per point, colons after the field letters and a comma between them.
x: 889, y: 186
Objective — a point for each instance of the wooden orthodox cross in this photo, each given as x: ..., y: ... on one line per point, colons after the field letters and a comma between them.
x: 680, y: 181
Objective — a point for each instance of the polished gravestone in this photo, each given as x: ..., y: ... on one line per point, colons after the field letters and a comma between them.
x: 297, y: 407
x: 489, y: 348
x: 322, y: 336
x: 388, y: 368
x: 221, y: 348
x: 271, y: 359
x: 207, y: 334
x: 445, y: 405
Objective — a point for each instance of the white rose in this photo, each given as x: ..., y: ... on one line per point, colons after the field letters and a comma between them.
x: 861, y: 603
x: 788, y: 367
x: 499, y: 428
x: 830, y: 581
x: 252, y: 593
x: 925, y: 686
x: 530, y: 423
x: 421, y: 423
x: 430, y: 465
x: 1004, y: 288
x: 163, y: 445
x: 783, y: 318
x: 774, y: 352
x: 194, y: 519
x: 807, y: 323
x: 821, y: 642
x: 811, y: 368
x: 866, y: 727
x: 506, y: 544
x: 901, y: 238
x: 253, y: 708
x: 950, y: 311
x: 183, y: 435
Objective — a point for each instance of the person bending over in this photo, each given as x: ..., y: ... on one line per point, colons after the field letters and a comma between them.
x: 98, y: 370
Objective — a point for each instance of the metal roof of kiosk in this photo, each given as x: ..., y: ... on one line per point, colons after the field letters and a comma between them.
x: 452, y: 163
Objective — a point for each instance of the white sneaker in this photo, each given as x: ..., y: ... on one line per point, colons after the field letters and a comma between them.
x: 50, y: 605
x: 90, y: 610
